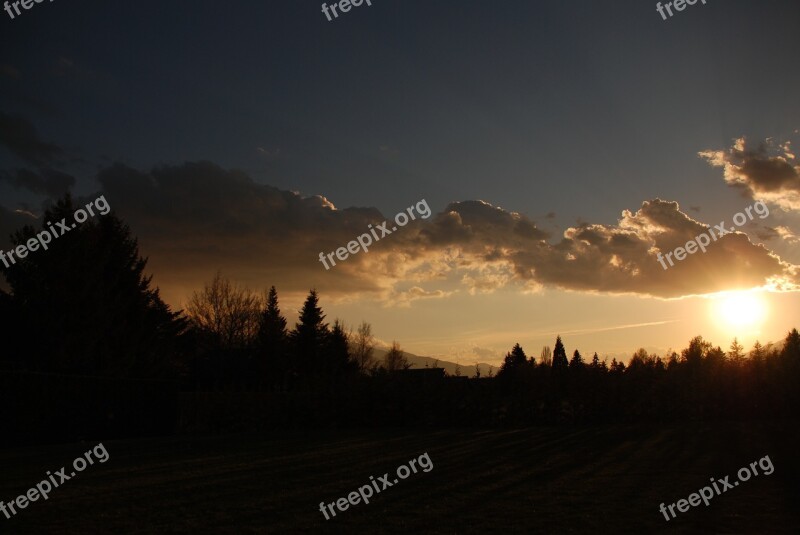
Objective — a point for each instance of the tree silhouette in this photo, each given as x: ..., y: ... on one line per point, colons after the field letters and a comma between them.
x: 560, y: 356
x: 577, y: 360
x: 514, y: 361
x: 309, y: 338
x: 85, y: 306
x: 272, y: 340
x: 363, y: 347
x: 395, y: 360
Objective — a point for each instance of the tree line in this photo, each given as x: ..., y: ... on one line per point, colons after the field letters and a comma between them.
x: 84, y: 307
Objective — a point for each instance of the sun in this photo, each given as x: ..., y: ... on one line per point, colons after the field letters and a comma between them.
x: 740, y: 310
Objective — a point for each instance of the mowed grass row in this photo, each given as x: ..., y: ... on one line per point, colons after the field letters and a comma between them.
x: 545, y: 480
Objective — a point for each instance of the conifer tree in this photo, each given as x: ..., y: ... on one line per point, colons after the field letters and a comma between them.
x: 272, y: 338
x: 309, y: 337
x: 560, y: 356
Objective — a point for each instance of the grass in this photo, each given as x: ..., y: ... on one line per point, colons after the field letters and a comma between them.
x: 544, y: 480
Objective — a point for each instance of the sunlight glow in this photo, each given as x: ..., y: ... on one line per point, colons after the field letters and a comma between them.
x: 740, y: 310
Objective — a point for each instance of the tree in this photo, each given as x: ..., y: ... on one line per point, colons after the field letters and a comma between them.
x: 697, y: 350
x: 337, y: 361
x: 226, y: 313
x: 477, y: 371
x: 272, y: 338
x: 546, y: 356
x: 560, y: 356
x: 309, y: 337
x: 736, y: 353
x: 395, y: 359
x: 362, y: 347
x: 758, y: 353
x: 514, y: 361
x: 85, y: 306
x: 595, y: 361
x: 577, y: 360
x: 457, y: 371
x: 791, y: 347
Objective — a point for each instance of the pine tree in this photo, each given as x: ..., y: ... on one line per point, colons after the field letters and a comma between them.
x: 337, y: 362
x: 736, y: 353
x: 272, y: 339
x: 577, y: 360
x: 514, y: 361
x: 791, y: 346
x: 560, y: 356
x: 309, y: 337
x: 87, y: 305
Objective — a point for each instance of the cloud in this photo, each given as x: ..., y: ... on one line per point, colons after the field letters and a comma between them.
x: 20, y: 137
x: 48, y: 182
x: 196, y: 218
x: 786, y: 234
x: 769, y: 172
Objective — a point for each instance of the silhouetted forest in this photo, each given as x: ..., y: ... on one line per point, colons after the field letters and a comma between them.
x: 90, y: 349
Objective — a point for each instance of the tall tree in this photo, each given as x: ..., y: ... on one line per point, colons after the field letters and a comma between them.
x: 560, y: 356
x: 363, y: 347
x: 337, y: 362
x: 272, y: 339
x: 309, y: 337
x: 85, y: 304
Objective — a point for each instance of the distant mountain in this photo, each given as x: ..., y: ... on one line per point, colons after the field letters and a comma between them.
x: 418, y: 362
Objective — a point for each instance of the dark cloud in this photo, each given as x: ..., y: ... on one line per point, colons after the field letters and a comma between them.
x: 195, y: 218
x: 49, y: 182
x: 769, y: 172
x: 19, y: 136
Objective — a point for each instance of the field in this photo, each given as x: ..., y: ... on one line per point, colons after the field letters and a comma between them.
x: 604, y: 479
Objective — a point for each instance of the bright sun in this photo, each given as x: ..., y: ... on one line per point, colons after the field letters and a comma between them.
x: 738, y: 310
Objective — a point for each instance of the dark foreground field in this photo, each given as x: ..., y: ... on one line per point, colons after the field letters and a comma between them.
x: 556, y: 480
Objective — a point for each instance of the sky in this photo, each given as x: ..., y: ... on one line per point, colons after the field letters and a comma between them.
x: 560, y: 147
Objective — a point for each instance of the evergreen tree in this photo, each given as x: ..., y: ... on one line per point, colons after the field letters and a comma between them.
x: 272, y: 338
x: 309, y: 337
x: 736, y: 353
x: 577, y: 360
x: 791, y: 347
x: 560, y: 356
x: 337, y: 361
x: 86, y: 305
x: 514, y: 361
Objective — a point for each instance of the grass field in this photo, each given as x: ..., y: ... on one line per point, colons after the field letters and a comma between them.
x: 608, y: 479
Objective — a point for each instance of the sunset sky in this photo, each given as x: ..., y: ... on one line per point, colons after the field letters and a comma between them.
x: 559, y: 145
